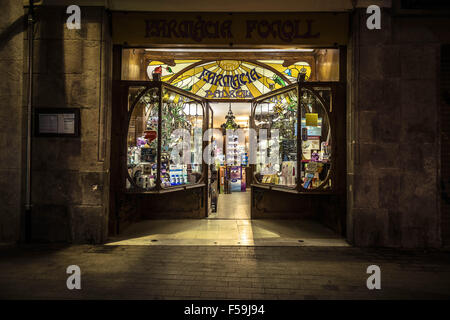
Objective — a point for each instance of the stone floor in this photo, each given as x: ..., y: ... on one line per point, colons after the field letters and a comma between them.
x: 222, y: 272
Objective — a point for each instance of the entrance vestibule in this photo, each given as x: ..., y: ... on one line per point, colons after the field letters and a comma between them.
x: 262, y: 90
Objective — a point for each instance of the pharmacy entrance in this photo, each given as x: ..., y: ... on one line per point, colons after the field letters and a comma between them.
x: 215, y: 145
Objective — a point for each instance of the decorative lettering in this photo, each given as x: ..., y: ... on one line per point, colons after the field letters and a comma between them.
x: 233, y: 81
x: 197, y: 29
x: 286, y: 30
x: 220, y: 94
x: 200, y: 29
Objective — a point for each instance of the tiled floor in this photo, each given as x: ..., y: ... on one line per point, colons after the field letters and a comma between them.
x: 233, y: 206
x: 229, y: 232
x: 231, y: 225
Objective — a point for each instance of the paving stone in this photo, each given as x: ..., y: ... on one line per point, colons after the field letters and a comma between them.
x: 142, y: 272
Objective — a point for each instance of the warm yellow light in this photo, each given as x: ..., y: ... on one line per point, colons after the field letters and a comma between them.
x: 229, y: 50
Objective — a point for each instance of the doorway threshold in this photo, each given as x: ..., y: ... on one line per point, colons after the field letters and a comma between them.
x: 215, y: 232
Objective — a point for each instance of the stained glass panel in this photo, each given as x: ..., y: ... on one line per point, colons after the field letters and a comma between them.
x: 229, y: 79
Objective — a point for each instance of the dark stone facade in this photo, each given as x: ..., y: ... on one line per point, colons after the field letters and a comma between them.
x: 394, y: 131
x: 12, y: 113
x: 69, y: 175
x: 393, y: 196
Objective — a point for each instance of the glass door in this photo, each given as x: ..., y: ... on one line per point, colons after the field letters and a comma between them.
x: 294, y: 138
x: 274, y: 157
x: 316, y: 136
x: 165, y: 138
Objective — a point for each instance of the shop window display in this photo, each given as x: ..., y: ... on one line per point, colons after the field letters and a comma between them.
x: 277, y: 154
x: 182, y: 124
x: 142, y: 138
x: 316, y: 139
x: 276, y: 117
x: 180, y: 148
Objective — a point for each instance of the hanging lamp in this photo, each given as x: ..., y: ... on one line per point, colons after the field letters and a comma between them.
x: 229, y: 123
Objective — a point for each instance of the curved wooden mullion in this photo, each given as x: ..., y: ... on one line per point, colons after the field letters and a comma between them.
x: 130, y: 112
x: 321, y: 186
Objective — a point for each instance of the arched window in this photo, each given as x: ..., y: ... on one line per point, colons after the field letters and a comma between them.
x: 294, y: 139
x: 229, y: 79
x: 170, y: 136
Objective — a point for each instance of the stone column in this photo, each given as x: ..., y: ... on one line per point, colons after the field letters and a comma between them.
x: 70, y: 175
x: 393, y: 174
x: 11, y: 118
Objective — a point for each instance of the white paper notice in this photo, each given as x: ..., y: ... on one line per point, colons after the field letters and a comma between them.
x: 67, y: 123
x: 62, y: 123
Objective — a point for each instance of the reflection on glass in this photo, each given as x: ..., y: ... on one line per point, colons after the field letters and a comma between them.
x: 181, y: 144
x: 276, y: 125
x: 142, y: 140
x: 316, y: 139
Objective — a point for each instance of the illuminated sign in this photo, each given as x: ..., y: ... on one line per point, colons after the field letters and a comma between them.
x: 178, y: 28
x: 199, y: 29
x: 196, y: 30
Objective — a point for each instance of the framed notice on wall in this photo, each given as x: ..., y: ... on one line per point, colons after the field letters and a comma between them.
x: 57, y: 122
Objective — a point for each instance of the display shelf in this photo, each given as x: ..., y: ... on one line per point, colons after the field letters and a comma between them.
x: 292, y: 190
x: 166, y: 190
x: 319, y: 161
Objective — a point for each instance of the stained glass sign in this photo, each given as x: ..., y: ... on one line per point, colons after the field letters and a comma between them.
x: 229, y: 79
